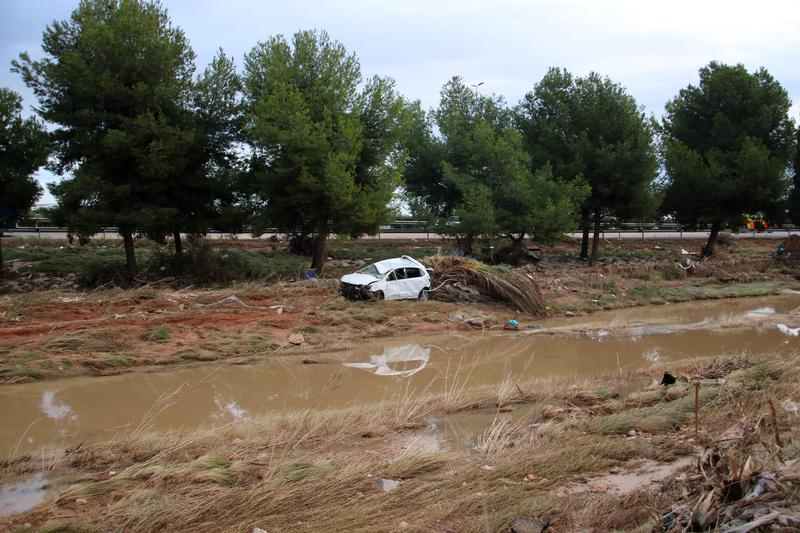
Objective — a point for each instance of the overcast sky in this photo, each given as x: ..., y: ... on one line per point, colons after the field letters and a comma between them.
x: 654, y: 48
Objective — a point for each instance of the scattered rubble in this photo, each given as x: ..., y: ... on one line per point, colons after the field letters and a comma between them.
x: 387, y: 485
x: 740, y: 483
x: 477, y: 321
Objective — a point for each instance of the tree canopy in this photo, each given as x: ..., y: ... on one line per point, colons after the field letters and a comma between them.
x: 203, y: 192
x: 591, y: 127
x: 24, y: 148
x: 116, y: 81
x: 794, y: 195
x: 476, y: 170
x: 302, y: 143
x: 327, y: 153
x: 727, y: 145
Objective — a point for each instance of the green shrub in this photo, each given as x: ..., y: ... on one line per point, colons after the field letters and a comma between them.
x: 155, y: 334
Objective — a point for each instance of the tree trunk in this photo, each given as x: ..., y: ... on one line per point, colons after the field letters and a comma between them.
x: 320, y: 248
x: 1, y: 255
x: 178, y: 243
x: 466, y: 244
x: 585, y: 237
x: 708, y: 249
x: 130, y: 256
x: 595, y: 238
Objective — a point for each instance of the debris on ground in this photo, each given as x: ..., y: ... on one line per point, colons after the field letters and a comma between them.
x: 741, y: 483
x: 296, y: 339
x: 529, y: 524
x: 387, y: 485
x: 464, y: 279
x: 687, y: 265
x: 477, y: 321
x: 793, y: 246
x: 230, y: 299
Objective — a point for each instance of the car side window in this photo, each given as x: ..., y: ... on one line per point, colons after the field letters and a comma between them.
x: 392, y: 276
x: 413, y: 273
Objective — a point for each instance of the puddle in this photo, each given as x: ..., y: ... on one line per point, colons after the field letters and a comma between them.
x: 23, y: 495
x: 65, y: 413
x: 761, y: 311
x: 471, y: 430
x: 619, y: 483
x: 687, y: 312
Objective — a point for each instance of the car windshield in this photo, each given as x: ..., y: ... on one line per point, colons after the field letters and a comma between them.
x: 370, y: 270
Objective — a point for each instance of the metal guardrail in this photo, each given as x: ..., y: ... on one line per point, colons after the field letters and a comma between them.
x: 411, y: 226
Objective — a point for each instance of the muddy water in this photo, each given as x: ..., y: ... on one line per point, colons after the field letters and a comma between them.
x: 687, y: 312
x: 71, y: 411
x: 23, y: 495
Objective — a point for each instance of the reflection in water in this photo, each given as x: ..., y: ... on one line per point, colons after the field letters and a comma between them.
x: 760, y: 312
x: 652, y: 355
x: 792, y: 332
x: 23, y: 495
x: 56, y: 411
x: 379, y: 364
x: 229, y: 408
x: 597, y: 335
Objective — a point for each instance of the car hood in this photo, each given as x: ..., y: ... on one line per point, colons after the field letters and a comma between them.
x: 358, y: 279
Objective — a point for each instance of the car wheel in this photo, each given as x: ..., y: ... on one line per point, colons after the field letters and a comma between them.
x: 378, y: 295
x: 423, y: 295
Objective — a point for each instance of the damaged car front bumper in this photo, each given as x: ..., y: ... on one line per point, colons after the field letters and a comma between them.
x: 355, y: 292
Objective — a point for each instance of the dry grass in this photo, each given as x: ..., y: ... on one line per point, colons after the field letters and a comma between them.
x: 312, y: 469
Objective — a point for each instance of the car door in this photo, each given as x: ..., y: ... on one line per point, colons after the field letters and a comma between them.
x: 415, y: 282
x: 395, y: 289
x: 404, y: 282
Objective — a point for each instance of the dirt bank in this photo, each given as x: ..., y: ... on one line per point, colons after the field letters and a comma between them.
x: 46, y: 334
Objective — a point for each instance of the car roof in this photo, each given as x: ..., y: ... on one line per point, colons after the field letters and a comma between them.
x: 388, y: 264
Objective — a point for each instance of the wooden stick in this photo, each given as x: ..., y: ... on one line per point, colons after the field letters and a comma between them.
x: 696, y: 409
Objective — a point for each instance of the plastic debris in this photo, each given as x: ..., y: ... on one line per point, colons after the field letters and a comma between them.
x: 387, y: 485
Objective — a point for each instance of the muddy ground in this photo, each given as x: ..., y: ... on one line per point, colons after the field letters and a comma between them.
x: 616, y: 451
x: 51, y: 333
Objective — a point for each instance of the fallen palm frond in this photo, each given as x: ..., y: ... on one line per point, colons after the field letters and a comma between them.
x: 495, y: 281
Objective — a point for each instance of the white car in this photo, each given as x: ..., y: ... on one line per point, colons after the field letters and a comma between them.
x: 393, y: 279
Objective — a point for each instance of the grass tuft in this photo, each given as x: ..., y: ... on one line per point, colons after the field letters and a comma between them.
x: 412, y: 463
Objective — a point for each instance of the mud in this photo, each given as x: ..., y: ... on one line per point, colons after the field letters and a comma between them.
x: 622, y: 483
x: 89, y: 409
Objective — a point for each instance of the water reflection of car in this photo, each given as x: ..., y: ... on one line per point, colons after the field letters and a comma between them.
x: 392, y: 279
x: 402, y: 361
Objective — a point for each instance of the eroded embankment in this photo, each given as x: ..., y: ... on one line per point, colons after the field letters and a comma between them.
x: 89, y: 409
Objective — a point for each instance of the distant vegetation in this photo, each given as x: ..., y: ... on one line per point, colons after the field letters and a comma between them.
x: 201, y: 263
x: 300, y: 140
